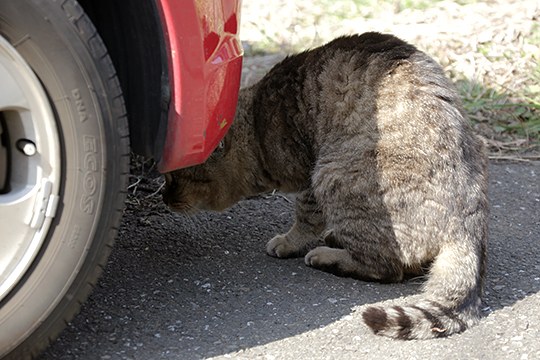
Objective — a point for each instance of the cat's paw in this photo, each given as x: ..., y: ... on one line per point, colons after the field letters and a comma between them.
x: 335, y: 261
x: 323, y: 256
x: 281, y: 247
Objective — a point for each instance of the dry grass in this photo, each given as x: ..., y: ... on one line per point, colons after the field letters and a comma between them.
x: 491, y: 49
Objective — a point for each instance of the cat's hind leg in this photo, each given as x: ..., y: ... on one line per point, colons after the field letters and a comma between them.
x: 368, y: 266
x: 362, y: 243
x: 305, y: 233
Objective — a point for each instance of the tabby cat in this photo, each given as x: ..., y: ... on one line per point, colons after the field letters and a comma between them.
x: 390, y: 179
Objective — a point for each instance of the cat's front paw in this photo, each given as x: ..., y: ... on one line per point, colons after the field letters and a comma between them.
x: 281, y: 247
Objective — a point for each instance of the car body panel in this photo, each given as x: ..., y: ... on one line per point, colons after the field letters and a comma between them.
x: 205, y: 62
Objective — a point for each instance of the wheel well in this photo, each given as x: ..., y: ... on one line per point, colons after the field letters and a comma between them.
x: 134, y: 39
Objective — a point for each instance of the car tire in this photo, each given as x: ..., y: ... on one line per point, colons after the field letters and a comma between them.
x: 65, y: 146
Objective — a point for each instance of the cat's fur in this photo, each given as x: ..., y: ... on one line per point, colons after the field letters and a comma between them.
x: 390, y: 179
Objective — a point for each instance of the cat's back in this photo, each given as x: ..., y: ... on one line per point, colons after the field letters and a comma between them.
x: 371, y: 96
x: 386, y: 94
x: 386, y: 104
x: 364, y: 73
x: 372, y: 83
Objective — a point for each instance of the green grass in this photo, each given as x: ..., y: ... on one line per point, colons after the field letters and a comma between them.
x: 512, y: 119
x: 512, y: 114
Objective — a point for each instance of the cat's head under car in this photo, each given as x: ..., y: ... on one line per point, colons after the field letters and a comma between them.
x: 201, y: 187
x: 215, y: 185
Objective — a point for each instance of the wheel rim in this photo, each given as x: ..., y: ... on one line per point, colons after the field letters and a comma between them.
x: 29, y: 167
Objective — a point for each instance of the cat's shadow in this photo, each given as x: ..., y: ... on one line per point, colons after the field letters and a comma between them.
x: 203, y: 286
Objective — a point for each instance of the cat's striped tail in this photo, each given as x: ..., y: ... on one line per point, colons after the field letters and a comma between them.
x: 424, y: 320
x: 450, y: 304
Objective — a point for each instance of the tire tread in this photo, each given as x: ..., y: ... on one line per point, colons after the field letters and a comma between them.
x: 89, y: 35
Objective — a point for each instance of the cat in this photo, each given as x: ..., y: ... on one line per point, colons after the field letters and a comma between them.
x: 391, y: 182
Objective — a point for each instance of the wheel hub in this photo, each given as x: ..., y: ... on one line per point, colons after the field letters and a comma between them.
x: 29, y: 166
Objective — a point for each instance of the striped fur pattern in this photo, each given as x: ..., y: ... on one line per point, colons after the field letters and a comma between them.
x: 391, y: 180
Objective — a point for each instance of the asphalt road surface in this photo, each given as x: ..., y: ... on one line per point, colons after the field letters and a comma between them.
x: 202, y: 287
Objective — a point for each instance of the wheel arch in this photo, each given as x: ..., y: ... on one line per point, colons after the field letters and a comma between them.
x: 135, y: 41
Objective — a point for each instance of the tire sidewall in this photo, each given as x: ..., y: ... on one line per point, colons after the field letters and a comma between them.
x: 56, y: 41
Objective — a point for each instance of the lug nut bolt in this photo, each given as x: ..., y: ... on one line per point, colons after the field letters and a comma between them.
x: 27, y: 147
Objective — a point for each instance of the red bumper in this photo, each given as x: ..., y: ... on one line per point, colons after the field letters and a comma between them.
x: 205, y: 64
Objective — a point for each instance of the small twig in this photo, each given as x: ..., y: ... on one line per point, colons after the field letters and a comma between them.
x: 133, y: 201
x: 155, y: 192
x: 134, y: 185
x: 522, y: 158
x: 274, y: 193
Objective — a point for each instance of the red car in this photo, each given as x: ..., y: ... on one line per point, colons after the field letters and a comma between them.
x: 83, y: 83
